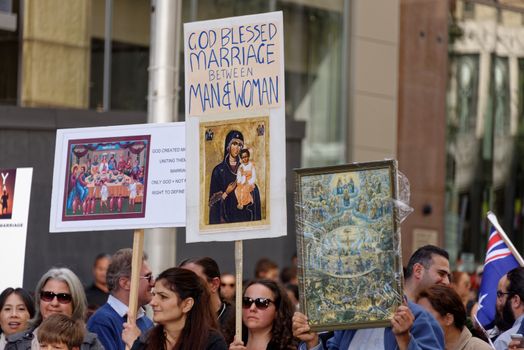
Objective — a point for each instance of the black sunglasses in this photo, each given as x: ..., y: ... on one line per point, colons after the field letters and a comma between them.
x: 500, y: 293
x: 260, y: 303
x: 227, y: 284
x: 63, y: 298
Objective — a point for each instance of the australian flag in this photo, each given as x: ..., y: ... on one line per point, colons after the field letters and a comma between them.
x: 499, y: 261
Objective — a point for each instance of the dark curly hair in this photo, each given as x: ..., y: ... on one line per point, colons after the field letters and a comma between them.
x: 281, y: 332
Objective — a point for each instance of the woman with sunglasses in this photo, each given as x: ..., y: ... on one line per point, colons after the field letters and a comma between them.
x: 266, y: 317
x: 16, y: 309
x: 182, y: 311
x: 59, y: 291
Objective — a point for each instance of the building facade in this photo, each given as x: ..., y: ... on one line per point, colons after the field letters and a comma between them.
x: 436, y: 84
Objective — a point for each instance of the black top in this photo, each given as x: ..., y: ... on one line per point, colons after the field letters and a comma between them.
x: 96, y: 297
x: 226, y: 320
x: 215, y: 341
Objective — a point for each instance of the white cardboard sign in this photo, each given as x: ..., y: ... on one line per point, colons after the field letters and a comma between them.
x: 119, y: 177
x: 235, y: 128
x: 15, y: 191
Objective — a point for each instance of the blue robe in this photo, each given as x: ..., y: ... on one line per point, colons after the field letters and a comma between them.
x: 226, y: 211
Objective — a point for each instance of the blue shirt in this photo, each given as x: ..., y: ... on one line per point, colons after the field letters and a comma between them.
x: 426, y: 334
x: 108, y: 323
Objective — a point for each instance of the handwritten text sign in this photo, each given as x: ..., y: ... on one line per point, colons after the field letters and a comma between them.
x: 234, y: 64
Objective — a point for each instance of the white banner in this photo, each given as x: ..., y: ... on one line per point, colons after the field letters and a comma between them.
x: 235, y: 122
x: 15, y: 186
x: 119, y: 177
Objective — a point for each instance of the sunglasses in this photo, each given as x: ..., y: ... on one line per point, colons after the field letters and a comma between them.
x: 63, y: 298
x: 500, y: 293
x: 227, y: 284
x: 260, y: 303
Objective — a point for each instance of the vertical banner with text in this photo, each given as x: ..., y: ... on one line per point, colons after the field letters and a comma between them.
x: 235, y: 128
x: 15, y: 191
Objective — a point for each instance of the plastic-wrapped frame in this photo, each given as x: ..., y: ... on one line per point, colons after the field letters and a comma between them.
x: 348, y: 243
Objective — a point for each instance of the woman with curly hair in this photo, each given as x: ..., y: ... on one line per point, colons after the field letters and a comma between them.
x: 182, y: 311
x: 266, y: 317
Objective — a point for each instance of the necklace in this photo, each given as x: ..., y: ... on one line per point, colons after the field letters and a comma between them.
x: 169, y: 339
x: 222, y: 309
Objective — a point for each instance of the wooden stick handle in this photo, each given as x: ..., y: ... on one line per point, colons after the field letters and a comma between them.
x: 239, y: 273
x: 136, y: 266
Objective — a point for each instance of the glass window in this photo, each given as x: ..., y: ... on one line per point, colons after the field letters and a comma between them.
x: 314, y: 40
x: 313, y: 37
x: 129, y: 77
x: 129, y: 55
x: 9, y: 49
x: 485, y: 125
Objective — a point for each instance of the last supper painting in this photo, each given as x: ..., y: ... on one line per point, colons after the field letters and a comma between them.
x: 106, y: 178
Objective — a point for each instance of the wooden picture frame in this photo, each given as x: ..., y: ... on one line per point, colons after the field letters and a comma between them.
x: 348, y: 245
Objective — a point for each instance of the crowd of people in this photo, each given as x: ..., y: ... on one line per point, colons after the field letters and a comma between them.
x: 192, y: 308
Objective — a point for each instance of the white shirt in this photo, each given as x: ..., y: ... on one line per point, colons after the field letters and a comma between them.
x: 121, y: 308
x: 501, y: 343
x: 3, y: 341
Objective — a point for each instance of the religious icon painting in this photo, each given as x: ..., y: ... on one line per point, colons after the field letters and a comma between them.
x: 234, y: 173
x: 348, y: 245
x: 7, y: 192
x: 106, y: 178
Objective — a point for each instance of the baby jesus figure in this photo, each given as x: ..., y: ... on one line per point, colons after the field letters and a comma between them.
x: 246, y: 178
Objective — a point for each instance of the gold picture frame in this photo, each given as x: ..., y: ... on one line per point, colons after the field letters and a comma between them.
x: 348, y: 245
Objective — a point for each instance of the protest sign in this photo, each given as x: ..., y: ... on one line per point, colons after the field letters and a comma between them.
x: 235, y: 128
x: 119, y: 177
x: 15, y: 191
x: 234, y: 64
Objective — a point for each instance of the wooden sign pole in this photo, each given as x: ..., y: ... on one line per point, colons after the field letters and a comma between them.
x: 239, y: 273
x: 136, y: 266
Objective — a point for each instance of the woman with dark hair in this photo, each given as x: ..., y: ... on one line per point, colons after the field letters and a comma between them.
x: 207, y: 269
x: 16, y: 309
x: 223, y: 204
x: 182, y: 312
x: 59, y: 291
x: 449, y: 311
x: 266, y: 316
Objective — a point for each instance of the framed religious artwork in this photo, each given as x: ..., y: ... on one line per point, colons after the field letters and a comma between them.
x: 348, y: 245
x: 235, y: 164
x: 106, y: 177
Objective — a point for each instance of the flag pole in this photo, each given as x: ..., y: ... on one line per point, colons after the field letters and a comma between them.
x: 493, y: 219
